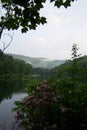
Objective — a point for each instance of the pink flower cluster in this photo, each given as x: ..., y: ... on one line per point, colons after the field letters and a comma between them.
x: 40, y: 108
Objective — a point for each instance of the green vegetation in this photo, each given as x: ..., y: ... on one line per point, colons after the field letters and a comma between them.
x: 10, y: 67
x: 25, y: 13
x: 42, y: 72
x: 59, y: 103
x: 74, y: 69
x: 36, y: 110
x: 59, y: 106
x: 66, y: 70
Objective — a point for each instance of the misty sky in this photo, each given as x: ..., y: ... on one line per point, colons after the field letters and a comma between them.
x: 54, y: 40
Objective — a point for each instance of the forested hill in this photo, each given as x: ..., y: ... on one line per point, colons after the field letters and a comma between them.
x: 11, y: 66
x: 39, y: 62
x: 65, y: 70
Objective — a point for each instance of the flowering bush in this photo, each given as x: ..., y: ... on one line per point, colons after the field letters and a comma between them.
x: 41, y: 109
x: 46, y: 109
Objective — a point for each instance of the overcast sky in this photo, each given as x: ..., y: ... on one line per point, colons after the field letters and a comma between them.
x: 54, y: 40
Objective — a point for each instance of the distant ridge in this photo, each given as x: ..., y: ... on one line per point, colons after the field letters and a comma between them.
x: 38, y: 62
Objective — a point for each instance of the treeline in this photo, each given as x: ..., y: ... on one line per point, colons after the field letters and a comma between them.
x: 42, y: 72
x: 9, y: 65
x: 68, y: 69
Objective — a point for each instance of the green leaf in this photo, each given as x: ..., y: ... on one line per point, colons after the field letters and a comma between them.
x: 5, y: 1
x: 14, y: 109
x: 24, y: 30
x: 17, y: 103
x: 58, y: 3
x: 67, y: 3
x: 26, y: 13
x: 43, y: 20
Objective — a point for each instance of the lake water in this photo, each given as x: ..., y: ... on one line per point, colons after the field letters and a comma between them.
x: 9, y: 92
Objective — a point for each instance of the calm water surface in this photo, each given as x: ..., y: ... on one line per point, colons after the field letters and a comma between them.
x: 9, y: 94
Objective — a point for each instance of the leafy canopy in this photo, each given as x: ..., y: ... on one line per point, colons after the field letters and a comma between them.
x: 25, y: 13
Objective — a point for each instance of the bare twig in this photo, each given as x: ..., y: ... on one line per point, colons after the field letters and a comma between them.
x: 4, y: 44
x: 1, y: 31
x: 11, y: 39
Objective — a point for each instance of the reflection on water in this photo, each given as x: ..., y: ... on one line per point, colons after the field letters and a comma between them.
x: 9, y: 92
x: 8, y: 88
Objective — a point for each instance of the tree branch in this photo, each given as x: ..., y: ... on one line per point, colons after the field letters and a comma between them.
x: 11, y: 39
x: 4, y: 44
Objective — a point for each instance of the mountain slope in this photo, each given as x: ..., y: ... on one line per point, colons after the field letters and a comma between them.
x: 38, y: 62
x: 66, y: 70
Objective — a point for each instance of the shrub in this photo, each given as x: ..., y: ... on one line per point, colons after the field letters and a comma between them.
x: 41, y: 109
x: 45, y: 109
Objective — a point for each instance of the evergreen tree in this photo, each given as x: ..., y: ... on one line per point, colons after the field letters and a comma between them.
x: 75, y: 59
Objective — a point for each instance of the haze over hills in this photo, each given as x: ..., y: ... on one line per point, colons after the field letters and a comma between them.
x: 38, y: 62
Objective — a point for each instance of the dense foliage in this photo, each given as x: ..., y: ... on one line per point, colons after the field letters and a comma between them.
x: 66, y: 70
x: 9, y: 66
x: 61, y: 102
x: 59, y: 106
x: 41, y: 72
x: 36, y: 110
x: 25, y: 13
